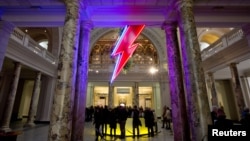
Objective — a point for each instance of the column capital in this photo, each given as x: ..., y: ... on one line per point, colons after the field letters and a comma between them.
x: 210, y: 73
x: 88, y: 25
x: 169, y: 25
x: 233, y: 64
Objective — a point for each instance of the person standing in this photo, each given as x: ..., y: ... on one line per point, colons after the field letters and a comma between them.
x: 122, y: 117
x: 113, y: 121
x: 155, y: 122
x: 149, y: 121
x: 98, y: 122
x: 214, y: 114
x: 168, y: 118
x: 222, y: 121
x: 136, y: 121
x: 105, y: 119
x: 164, y: 116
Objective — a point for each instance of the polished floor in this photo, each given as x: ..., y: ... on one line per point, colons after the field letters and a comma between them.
x: 40, y: 133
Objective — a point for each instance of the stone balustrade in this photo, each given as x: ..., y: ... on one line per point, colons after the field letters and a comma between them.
x: 225, y: 41
x: 25, y: 40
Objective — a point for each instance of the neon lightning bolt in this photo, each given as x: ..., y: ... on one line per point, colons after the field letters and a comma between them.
x: 124, y: 48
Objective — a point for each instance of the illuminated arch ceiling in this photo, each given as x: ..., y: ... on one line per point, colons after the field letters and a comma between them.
x: 145, y: 54
x: 210, y: 38
x: 211, y: 35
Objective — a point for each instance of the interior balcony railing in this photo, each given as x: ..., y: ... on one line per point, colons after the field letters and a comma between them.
x: 26, y: 41
x: 225, y: 41
x: 135, y: 68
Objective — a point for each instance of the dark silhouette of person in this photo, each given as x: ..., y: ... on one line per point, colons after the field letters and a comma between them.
x: 136, y: 121
x: 168, y: 118
x: 155, y: 122
x: 98, y: 114
x: 149, y: 121
x: 91, y: 112
x: 164, y: 117
x: 222, y: 121
x: 113, y: 121
x: 214, y: 114
x: 245, y: 119
x: 105, y: 119
x: 122, y: 117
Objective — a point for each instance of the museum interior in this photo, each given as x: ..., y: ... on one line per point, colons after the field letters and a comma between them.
x: 56, y: 61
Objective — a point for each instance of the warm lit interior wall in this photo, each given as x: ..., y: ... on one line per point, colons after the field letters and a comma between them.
x: 119, y: 98
x: 89, y: 96
x: 26, y: 97
x: 226, y: 98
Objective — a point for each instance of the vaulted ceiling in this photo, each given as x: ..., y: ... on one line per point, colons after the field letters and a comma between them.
x: 117, y: 13
x: 213, y: 13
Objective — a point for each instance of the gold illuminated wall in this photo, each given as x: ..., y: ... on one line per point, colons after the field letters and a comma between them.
x: 123, y: 95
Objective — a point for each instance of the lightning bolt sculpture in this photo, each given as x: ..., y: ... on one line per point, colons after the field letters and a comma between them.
x: 124, y: 47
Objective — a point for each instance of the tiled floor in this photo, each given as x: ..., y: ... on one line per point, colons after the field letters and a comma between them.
x: 40, y: 133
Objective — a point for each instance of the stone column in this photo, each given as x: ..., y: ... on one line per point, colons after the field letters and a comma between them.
x: 5, y: 31
x: 111, y: 96
x: 5, y: 123
x: 214, y: 99
x: 62, y: 109
x: 81, y: 82
x: 34, y: 101
x: 194, y: 80
x: 177, y: 92
x: 45, y: 98
x: 165, y: 94
x: 136, y: 95
x: 246, y: 89
x: 237, y: 87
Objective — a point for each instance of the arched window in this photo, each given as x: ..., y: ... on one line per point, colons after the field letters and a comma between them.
x: 204, y: 45
x: 44, y: 44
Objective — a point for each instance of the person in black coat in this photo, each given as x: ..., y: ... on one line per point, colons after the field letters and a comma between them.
x: 214, y: 114
x: 222, y: 121
x: 105, y: 119
x: 136, y: 121
x: 149, y: 121
x: 122, y: 118
x: 113, y: 121
x: 98, y: 114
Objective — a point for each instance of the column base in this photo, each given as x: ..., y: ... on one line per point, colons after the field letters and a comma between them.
x: 29, y: 124
x: 5, y: 129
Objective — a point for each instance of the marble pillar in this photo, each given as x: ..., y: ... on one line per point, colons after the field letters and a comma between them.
x: 237, y: 87
x: 63, y: 102
x: 34, y: 101
x: 5, y: 31
x: 214, y: 99
x: 246, y: 89
x: 177, y: 92
x: 136, y: 95
x: 111, y: 96
x: 5, y: 123
x: 165, y: 94
x: 45, y: 98
x: 81, y: 82
x: 194, y: 80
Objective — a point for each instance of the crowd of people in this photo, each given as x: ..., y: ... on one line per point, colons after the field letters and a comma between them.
x: 102, y: 117
x: 220, y: 119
